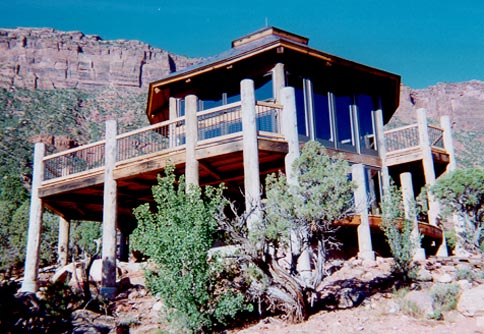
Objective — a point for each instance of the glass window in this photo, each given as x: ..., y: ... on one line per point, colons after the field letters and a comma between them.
x: 263, y: 88
x: 344, y: 122
x: 322, y: 119
x: 232, y: 98
x: 181, y: 107
x: 210, y: 103
x: 366, y: 106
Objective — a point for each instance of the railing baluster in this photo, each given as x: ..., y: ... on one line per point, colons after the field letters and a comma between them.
x: 216, y: 122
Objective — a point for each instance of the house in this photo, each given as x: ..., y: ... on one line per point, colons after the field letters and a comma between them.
x: 235, y: 118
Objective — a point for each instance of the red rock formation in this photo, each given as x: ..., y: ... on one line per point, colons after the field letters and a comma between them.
x: 49, y: 59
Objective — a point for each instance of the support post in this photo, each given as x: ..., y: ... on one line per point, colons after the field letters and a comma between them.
x: 411, y: 214
x: 250, y: 152
x: 289, y: 130
x: 382, y: 150
x: 63, y: 242
x: 361, y: 204
x: 172, y: 110
x: 191, y: 162
x: 108, y: 288
x: 29, y: 283
x: 278, y: 81
x: 448, y: 142
x: 429, y: 173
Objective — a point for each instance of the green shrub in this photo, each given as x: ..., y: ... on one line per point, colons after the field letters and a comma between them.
x: 444, y: 298
x: 464, y: 273
x: 398, y: 232
x: 177, y: 237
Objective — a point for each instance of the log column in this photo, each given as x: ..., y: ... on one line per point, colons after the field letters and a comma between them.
x: 382, y: 150
x: 251, y: 152
x: 172, y: 127
x: 191, y: 162
x: 108, y: 288
x: 448, y: 142
x: 29, y: 283
x: 278, y: 82
x: 361, y: 204
x: 429, y: 173
x: 289, y: 130
x: 411, y: 214
x: 63, y: 241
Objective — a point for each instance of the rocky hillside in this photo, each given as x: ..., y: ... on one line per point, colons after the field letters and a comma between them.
x: 463, y: 102
x: 47, y: 74
x: 51, y: 59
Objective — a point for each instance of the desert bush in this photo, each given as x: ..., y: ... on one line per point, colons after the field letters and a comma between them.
x: 177, y: 235
x: 398, y: 232
x: 444, y: 298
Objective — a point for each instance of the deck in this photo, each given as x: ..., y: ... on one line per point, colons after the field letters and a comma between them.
x: 403, y: 145
x: 73, y: 180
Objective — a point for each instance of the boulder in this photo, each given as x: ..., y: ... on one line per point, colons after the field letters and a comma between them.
x: 471, y: 302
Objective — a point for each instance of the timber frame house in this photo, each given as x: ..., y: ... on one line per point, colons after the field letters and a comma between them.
x: 235, y: 118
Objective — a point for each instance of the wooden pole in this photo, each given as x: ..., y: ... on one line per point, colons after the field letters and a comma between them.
x: 289, y: 130
x: 63, y: 242
x: 191, y: 162
x: 108, y: 289
x: 429, y: 173
x: 251, y: 152
x: 448, y: 142
x: 382, y: 150
x: 29, y: 283
x: 361, y: 204
x: 411, y: 214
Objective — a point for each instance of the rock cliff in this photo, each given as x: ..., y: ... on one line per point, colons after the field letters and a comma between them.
x: 43, y: 58
x: 463, y: 102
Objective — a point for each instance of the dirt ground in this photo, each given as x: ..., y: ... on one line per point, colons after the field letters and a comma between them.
x: 365, y: 320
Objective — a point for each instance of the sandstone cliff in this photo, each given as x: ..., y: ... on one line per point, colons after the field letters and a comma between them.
x: 43, y: 58
x: 463, y: 102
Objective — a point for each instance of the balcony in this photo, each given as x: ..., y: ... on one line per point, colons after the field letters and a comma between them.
x: 72, y: 183
x: 403, y: 145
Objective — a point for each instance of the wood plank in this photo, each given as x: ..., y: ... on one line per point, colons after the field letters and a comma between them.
x: 70, y: 185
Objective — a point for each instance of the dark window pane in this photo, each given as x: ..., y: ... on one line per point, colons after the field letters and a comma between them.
x: 263, y: 88
x: 321, y: 116
x: 343, y: 120
x: 300, y: 110
x: 209, y: 104
x: 365, y: 105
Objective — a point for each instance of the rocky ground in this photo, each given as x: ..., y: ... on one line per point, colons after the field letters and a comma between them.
x: 359, y: 297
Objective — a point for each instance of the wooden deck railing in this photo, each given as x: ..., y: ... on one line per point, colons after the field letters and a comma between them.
x: 216, y: 122
x: 407, y: 137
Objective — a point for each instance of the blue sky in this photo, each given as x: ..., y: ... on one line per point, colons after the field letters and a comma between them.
x: 424, y: 41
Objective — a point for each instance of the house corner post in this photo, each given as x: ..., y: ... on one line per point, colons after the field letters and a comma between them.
x: 448, y: 142
x: 191, y: 162
x: 289, y: 130
x: 63, y: 242
x: 250, y: 152
x: 278, y: 82
x: 429, y: 173
x: 382, y: 150
x: 108, y: 289
x: 29, y: 283
x: 361, y: 204
x: 172, y: 114
x: 411, y: 214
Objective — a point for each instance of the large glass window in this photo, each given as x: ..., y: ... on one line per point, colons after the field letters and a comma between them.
x: 366, y: 107
x: 322, y: 118
x: 263, y: 88
x: 344, y: 122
